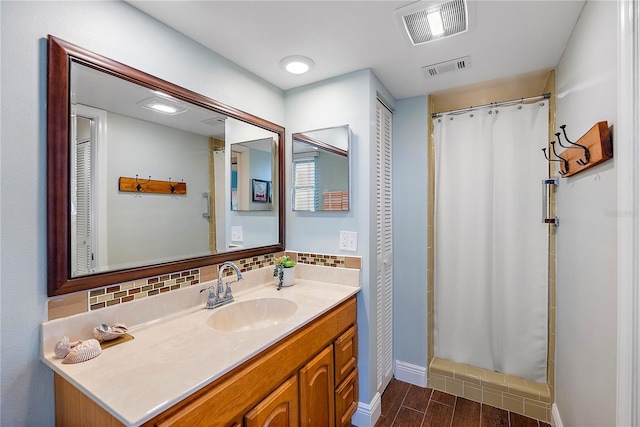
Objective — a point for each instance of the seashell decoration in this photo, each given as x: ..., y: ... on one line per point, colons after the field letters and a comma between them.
x: 63, y: 347
x: 85, y: 350
x: 105, y: 333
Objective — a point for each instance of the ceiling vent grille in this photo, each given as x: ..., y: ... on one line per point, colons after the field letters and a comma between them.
x: 214, y: 121
x: 457, y: 64
x: 413, y: 20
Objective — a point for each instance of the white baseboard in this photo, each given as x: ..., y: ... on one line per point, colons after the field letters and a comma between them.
x: 367, y: 414
x: 555, y: 416
x: 412, y: 374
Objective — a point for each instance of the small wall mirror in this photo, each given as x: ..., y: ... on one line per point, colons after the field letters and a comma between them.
x: 320, y: 170
x: 252, y: 175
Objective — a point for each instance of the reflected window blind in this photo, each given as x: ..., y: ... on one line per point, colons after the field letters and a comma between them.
x: 305, y: 184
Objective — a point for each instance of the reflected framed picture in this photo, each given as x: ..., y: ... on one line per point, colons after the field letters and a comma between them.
x: 260, y: 190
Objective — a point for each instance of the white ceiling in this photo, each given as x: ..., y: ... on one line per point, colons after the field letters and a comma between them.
x: 506, y: 38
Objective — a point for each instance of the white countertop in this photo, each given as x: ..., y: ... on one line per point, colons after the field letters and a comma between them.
x: 172, y: 357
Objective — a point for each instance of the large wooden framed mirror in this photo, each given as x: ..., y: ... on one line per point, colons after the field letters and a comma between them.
x: 139, y: 176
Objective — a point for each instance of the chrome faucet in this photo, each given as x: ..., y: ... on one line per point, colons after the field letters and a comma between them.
x: 216, y: 298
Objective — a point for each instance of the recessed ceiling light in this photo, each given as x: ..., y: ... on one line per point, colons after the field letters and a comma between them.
x: 297, y: 64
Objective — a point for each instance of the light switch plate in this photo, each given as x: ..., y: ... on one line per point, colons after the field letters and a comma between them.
x: 349, y: 241
x: 236, y: 233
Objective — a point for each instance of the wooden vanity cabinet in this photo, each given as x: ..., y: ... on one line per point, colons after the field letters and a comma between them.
x: 300, y: 379
x: 346, y: 373
x: 317, y: 400
x: 347, y: 400
x: 280, y: 408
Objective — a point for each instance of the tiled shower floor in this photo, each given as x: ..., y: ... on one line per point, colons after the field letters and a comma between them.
x: 406, y: 405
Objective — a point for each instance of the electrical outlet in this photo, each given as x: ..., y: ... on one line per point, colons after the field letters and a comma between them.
x: 236, y: 233
x: 349, y: 241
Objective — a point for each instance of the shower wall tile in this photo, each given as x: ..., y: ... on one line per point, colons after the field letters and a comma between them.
x: 534, y: 410
x: 502, y: 391
x: 474, y: 375
x: 495, y: 380
x: 437, y: 381
x: 492, y: 398
x: 472, y: 392
x: 513, y: 403
x: 454, y: 386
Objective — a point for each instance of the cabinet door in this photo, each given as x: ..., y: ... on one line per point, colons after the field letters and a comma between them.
x: 279, y: 409
x: 346, y: 353
x: 347, y: 400
x: 317, y: 405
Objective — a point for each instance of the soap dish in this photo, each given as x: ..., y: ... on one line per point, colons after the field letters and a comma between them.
x: 121, y: 339
x: 106, y: 333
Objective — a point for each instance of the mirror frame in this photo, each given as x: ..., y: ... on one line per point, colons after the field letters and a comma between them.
x: 59, y: 280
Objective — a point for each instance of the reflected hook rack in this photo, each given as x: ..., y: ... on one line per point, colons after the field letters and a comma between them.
x: 133, y: 185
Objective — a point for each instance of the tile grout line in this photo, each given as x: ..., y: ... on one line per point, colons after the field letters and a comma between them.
x: 453, y: 414
x: 395, y: 416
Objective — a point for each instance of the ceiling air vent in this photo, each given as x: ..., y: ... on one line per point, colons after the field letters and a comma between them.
x: 214, y: 121
x: 426, y: 21
x: 447, y: 66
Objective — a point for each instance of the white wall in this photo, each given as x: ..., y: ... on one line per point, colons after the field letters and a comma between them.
x: 585, y: 383
x: 115, y: 30
x: 410, y: 166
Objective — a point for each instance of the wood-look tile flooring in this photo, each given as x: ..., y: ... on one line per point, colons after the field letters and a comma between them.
x: 406, y: 405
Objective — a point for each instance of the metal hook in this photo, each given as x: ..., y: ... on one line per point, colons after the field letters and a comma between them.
x: 587, y: 155
x: 559, y: 159
x: 139, y: 186
x: 565, y: 161
x: 173, y: 189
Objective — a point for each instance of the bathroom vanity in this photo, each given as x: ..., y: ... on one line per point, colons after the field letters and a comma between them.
x: 181, y: 371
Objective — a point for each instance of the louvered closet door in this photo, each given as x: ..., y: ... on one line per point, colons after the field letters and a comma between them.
x: 83, y: 254
x: 384, y: 249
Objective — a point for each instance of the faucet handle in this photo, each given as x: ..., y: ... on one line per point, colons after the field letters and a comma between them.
x: 211, y: 300
x: 220, y: 287
x: 227, y: 291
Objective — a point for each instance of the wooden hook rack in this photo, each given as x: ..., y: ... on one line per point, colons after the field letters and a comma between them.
x: 598, y: 142
x: 137, y: 185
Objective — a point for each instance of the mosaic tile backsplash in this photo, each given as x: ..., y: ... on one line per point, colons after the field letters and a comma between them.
x: 130, y: 291
x: 319, y: 259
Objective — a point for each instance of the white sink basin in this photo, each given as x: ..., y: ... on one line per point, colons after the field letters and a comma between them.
x: 252, y: 314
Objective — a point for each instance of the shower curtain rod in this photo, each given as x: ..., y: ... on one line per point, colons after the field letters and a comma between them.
x: 493, y: 104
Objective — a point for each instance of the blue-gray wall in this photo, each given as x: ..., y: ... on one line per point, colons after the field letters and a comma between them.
x: 410, y: 165
x: 115, y: 30
x: 348, y: 99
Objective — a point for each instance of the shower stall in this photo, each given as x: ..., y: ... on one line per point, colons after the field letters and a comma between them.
x: 489, y: 280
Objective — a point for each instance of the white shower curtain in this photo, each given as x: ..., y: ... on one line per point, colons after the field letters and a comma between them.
x: 490, y: 243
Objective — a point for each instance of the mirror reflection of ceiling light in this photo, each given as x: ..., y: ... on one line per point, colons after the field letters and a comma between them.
x: 163, y: 105
x: 297, y: 64
x: 161, y: 94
